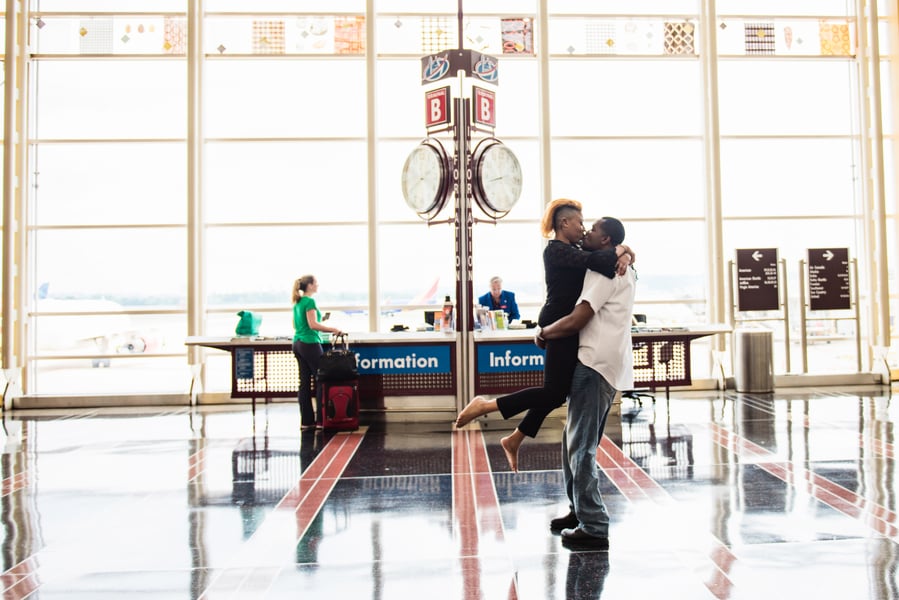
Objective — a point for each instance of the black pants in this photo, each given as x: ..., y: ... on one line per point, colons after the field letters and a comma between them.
x: 308, y: 356
x: 558, y: 369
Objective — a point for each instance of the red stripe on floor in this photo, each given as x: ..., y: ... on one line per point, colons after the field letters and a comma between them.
x: 309, y: 506
x: 195, y: 464
x: 635, y: 484
x: 486, y: 499
x: 465, y: 513
x: 647, y: 486
x: 476, y: 509
x: 21, y: 580
x: 327, y: 466
x: 879, y: 446
x: 14, y: 483
x: 276, y: 538
x: 619, y: 476
x: 877, y: 517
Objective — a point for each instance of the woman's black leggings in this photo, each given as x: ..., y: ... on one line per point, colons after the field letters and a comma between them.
x: 558, y: 369
x: 308, y: 356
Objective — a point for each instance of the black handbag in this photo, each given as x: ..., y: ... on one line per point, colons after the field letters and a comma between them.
x: 338, y: 362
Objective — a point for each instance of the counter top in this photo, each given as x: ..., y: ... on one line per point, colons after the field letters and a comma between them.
x: 225, y: 342
x: 698, y: 330
x: 505, y: 334
x: 637, y: 333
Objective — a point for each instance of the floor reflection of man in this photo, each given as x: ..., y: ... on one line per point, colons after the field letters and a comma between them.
x: 587, y: 573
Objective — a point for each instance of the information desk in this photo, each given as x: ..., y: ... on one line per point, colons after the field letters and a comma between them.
x: 392, y: 364
x: 424, y: 364
x: 507, y: 361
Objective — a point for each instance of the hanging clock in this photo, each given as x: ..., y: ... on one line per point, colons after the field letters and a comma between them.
x: 427, y: 178
x: 496, y: 177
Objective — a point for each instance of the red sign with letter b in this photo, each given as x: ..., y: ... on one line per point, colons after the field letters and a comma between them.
x: 437, y: 107
x: 484, y: 107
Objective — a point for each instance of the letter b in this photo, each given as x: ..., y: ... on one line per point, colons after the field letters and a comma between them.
x: 486, y: 110
x: 436, y: 110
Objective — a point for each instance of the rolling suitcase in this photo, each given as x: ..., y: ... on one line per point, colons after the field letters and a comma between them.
x: 340, y: 406
x: 338, y: 377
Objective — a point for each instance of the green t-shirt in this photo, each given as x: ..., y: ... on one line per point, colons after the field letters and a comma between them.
x: 302, y: 331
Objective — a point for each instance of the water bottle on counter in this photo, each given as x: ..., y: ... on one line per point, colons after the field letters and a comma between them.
x: 449, y: 315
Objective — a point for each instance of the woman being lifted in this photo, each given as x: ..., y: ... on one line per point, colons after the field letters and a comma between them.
x: 564, y: 264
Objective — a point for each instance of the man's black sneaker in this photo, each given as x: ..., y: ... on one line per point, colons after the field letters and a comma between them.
x: 578, y: 539
x: 569, y: 521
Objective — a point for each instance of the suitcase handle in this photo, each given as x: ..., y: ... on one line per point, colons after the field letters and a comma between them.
x: 340, y: 342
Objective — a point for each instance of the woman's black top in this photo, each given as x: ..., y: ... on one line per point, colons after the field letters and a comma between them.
x: 564, y: 267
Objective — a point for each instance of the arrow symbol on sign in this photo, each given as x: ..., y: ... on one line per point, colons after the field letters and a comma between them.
x: 828, y: 254
x: 756, y: 255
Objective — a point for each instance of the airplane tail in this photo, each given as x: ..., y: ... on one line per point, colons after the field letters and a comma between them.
x: 426, y: 296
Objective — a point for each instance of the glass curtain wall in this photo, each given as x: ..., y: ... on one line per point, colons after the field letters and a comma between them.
x: 627, y: 105
x: 107, y: 189
x: 791, y: 161
x: 289, y: 157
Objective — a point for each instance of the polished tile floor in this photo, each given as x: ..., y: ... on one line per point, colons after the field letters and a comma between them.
x: 712, y: 495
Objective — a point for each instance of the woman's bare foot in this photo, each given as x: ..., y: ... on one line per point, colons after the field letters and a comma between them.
x: 511, y: 444
x: 477, y: 407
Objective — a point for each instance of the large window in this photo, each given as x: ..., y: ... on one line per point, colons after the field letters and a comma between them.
x: 106, y: 242
x: 626, y: 121
x: 790, y: 157
x: 297, y: 175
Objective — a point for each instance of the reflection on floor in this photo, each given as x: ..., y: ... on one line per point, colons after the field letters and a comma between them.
x: 712, y: 495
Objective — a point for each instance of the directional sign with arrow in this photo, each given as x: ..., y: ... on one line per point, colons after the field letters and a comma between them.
x: 757, y: 284
x: 828, y: 279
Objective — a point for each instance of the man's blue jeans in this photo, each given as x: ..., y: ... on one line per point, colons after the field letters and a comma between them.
x: 588, y: 406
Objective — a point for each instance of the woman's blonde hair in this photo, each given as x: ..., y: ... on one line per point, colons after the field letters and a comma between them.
x: 300, y: 285
x: 554, y: 213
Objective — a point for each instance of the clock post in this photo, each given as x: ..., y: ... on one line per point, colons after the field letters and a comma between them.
x: 488, y: 176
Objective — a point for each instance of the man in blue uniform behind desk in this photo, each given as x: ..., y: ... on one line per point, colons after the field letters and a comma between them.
x: 499, y: 299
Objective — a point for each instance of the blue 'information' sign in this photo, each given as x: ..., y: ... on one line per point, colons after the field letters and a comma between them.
x: 503, y: 358
x: 396, y: 360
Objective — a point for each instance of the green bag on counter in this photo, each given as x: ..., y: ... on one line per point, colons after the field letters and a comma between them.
x: 248, y: 324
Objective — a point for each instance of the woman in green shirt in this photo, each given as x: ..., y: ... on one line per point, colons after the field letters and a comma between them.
x: 307, y: 346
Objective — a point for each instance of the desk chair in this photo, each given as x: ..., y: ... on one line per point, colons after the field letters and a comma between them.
x: 637, y: 395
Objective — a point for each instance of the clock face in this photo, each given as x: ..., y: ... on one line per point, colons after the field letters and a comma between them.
x: 426, y: 177
x: 497, y: 175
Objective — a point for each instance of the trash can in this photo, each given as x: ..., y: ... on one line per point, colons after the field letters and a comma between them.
x: 754, y: 361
